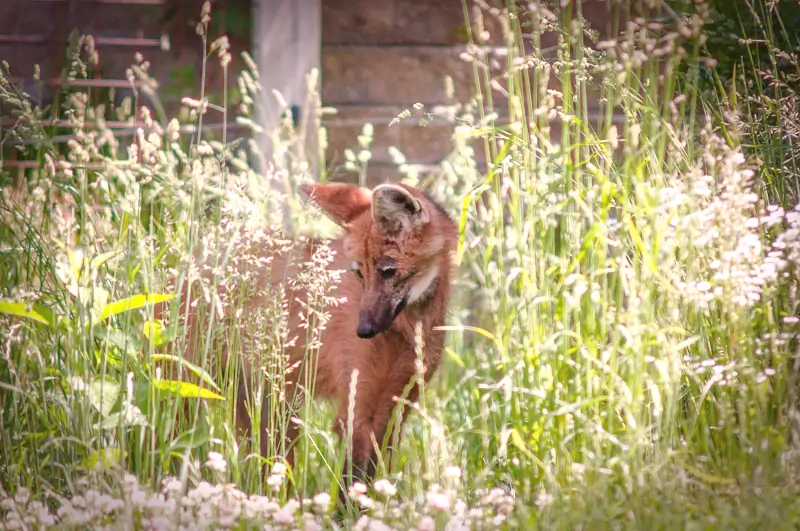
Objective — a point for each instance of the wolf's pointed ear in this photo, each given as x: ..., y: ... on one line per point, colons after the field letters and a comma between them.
x: 395, y: 210
x: 342, y: 202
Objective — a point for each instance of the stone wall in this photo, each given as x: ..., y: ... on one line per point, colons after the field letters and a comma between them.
x: 35, y: 32
x: 381, y: 57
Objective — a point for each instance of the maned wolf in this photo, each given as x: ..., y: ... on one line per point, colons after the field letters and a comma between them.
x: 398, y: 249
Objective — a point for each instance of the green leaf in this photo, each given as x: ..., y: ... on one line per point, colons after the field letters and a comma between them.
x: 18, y: 309
x: 124, y: 342
x: 131, y: 303
x: 104, y: 394
x: 198, y: 371
x: 47, y: 313
x: 185, y: 389
x: 129, y: 416
x: 188, y: 440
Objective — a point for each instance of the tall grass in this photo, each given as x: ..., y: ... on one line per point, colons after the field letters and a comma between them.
x: 621, y: 353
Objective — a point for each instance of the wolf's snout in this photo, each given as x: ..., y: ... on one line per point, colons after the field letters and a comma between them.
x: 372, y: 322
x: 375, y: 316
x: 366, y: 328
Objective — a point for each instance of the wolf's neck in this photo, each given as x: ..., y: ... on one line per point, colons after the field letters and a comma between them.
x: 429, y: 311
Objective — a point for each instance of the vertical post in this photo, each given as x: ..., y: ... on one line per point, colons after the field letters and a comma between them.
x: 287, y: 37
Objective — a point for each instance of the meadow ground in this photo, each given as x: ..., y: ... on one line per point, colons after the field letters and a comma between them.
x: 621, y: 352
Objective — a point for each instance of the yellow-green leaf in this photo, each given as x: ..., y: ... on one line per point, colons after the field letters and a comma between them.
x: 153, y: 331
x: 18, y: 309
x: 708, y: 478
x: 485, y: 333
x: 454, y: 357
x: 101, y: 259
x: 104, y: 459
x: 131, y: 303
x: 186, y: 389
x: 198, y: 371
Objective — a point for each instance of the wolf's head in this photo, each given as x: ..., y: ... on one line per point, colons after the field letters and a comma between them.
x: 399, y: 243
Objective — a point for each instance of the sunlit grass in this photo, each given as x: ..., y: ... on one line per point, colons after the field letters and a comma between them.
x: 621, y: 350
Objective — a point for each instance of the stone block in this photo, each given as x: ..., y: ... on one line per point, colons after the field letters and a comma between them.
x: 397, y: 75
x: 33, y: 18
x: 392, y: 22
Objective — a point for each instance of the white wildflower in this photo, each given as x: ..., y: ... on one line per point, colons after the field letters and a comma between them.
x: 130, y: 481
x: 452, y: 472
x: 310, y: 524
x: 385, y: 488
x: 426, y: 523
x: 22, y: 496
x: 216, y: 461
x: 285, y: 515
x: 279, y: 469
x: 438, y: 501
x: 322, y: 501
x: 275, y: 481
x: 544, y: 499
x: 377, y: 525
x: 357, y: 489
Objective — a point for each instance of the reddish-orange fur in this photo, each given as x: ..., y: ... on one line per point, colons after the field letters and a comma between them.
x: 411, y: 236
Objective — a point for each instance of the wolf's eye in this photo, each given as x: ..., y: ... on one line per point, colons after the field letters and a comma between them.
x: 388, y: 272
